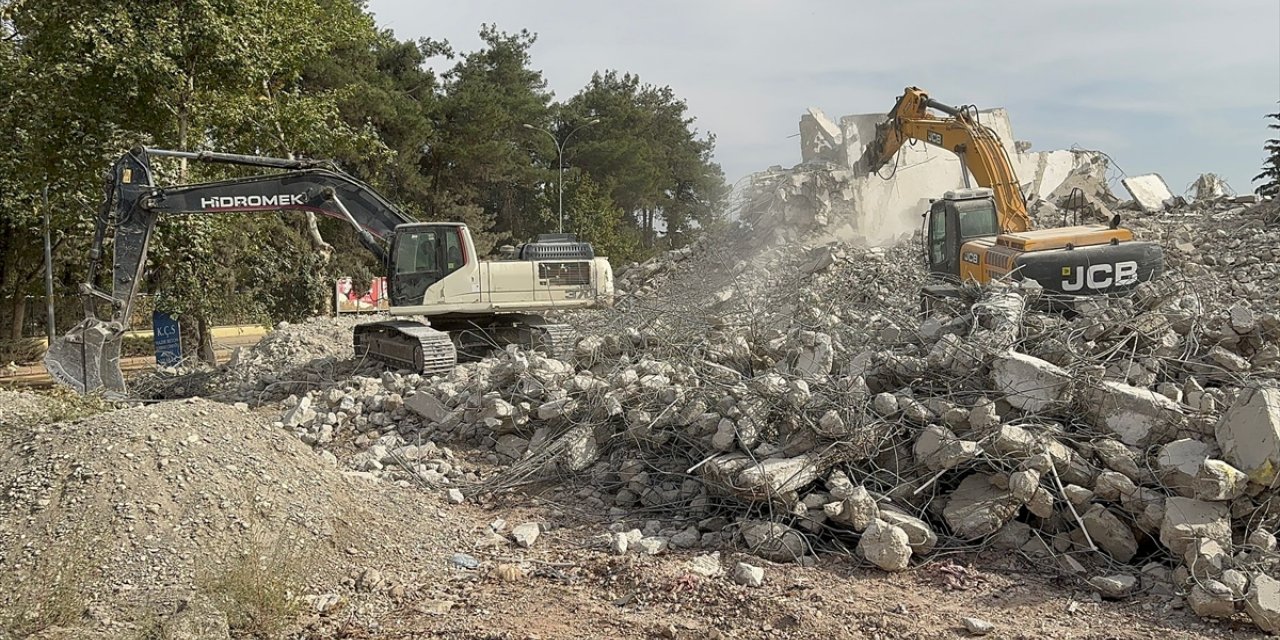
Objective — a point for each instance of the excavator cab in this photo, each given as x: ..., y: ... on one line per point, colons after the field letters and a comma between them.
x: 421, y: 255
x: 960, y: 216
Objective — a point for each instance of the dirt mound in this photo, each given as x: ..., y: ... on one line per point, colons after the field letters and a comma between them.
x: 126, y: 515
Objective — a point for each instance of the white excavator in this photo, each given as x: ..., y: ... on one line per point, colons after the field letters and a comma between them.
x: 444, y: 299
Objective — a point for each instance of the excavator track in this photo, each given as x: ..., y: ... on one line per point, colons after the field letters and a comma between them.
x: 556, y: 340
x: 405, y: 344
x: 478, y: 337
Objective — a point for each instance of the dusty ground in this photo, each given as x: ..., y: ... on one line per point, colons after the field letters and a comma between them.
x: 115, y: 523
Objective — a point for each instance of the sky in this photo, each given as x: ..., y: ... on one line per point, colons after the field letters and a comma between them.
x: 1175, y: 87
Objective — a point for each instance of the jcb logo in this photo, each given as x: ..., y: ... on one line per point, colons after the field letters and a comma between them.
x: 1099, y: 276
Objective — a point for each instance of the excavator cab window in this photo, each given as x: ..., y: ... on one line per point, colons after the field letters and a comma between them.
x: 421, y: 256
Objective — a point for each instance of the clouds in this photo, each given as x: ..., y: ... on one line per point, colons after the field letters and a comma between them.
x: 1173, y: 87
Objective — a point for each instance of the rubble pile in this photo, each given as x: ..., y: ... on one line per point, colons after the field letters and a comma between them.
x: 794, y: 402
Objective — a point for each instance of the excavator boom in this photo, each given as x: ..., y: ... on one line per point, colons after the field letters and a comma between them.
x: 88, y: 357
x: 977, y: 145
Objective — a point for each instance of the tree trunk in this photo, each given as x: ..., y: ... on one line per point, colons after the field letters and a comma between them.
x: 205, y: 346
x: 19, y: 315
x: 317, y: 241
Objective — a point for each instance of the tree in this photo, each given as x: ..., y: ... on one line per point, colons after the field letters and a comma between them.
x: 659, y: 170
x: 1271, y: 170
x: 195, y: 74
x: 481, y: 166
x: 594, y: 217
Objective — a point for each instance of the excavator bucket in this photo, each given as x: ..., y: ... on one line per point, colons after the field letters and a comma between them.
x: 87, y: 358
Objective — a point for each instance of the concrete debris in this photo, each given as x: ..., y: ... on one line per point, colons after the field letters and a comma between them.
x: 1114, y: 587
x: 526, y: 534
x: 1188, y: 519
x: 885, y: 545
x: 1249, y: 433
x: 1211, y: 599
x: 708, y: 565
x: 977, y: 626
x: 979, y: 508
x: 1149, y: 191
x: 1262, y: 604
x: 748, y: 575
x: 778, y: 388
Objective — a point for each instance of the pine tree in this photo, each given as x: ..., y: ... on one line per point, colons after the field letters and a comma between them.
x: 1271, y: 170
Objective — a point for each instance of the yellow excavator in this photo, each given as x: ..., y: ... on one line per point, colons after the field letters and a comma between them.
x: 975, y: 235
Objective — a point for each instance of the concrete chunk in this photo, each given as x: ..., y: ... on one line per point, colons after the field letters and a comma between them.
x: 978, y: 508
x: 886, y: 546
x: 1211, y: 599
x: 1179, y: 461
x: 1138, y: 417
x: 1249, y: 434
x: 858, y: 509
x: 1186, y: 519
x: 1029, y: 383
x: 919, y: 534
x: 1263, y: 603
x: 773, y: 541
x: 1148, y: 190
x: 1218, y: 481
x: 1110, y: 533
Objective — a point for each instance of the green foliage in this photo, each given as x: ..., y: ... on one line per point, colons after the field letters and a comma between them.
x: 596, y: 219
x: 82, y: 81
x: 1271, y: 170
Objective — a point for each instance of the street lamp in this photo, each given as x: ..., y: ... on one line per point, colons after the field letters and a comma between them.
x: 560, y: 155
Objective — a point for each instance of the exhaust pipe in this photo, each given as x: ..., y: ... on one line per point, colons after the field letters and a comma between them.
x: 87, y: 358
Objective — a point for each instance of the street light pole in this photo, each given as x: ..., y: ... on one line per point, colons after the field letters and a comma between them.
x: 560, y: 156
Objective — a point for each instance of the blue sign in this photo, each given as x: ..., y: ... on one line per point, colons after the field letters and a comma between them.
x: 168, y: 337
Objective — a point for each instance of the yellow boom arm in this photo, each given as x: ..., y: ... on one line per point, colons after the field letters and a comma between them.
x: 977, y: 145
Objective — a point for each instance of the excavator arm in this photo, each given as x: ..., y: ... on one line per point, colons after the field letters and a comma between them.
x: 87, y: 358
x: 958, y: 131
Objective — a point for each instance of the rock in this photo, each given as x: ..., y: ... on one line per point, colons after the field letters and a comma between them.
x: 455, y: 496
x: 688, y: 538
x: 977, y: 508
x: 526, y: 534
x: 1114, y: 587
x: 1261, y: 540
x: 1236, y: 581
x: 857, y: 510
x: 977, y: 626
x: 1186, y: 519
x: 1078, y: 495
x: 773, y: 541
x: 299, y: 416
x: 464, y: 561
x: 1262, y: 603
x: 776, y: 477
x: 427, y: 406
x: 1205, y: 559
x: 581, y: 450
x: 1218, y: 481
x: 1211, y: 599
x: 748, y: 575
x: 886, y: 546
x: 1249, y: 433
x: 197, y: 619
x: 1138, y: 417
x: 708, y: 565
x: 1110, y: 533
x: 1029, y: 383
x: 919, y: 534
x: 1227, y: 360
x: 320, y: 603
x: 652, y: 545
x: 1024, y: 484
x: 1113, y: 486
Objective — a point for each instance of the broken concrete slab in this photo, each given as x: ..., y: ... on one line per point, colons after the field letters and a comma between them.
x: 1138, y: 417
x: 1211, y: 599
x: 1112, y: 534
x: 1263, y: 603
x: 1149, y: 191
x: 1029, y: 383
x: 978, y: 508
x: 1249, y: 433
x: 1186, y: 519
x: 1179, y: 461
x: 1218, y: 481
